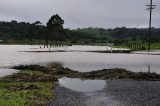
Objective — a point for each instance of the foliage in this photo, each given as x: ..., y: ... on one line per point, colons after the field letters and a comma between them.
x: 55, y: 22
x: 54, y: 31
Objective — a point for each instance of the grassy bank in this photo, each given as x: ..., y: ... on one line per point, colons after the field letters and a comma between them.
x: 56, y: 71
x: 26, y: 88
x: 34, y: 84
x: 155, y: 45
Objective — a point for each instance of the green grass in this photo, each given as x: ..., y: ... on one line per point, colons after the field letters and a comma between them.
x: 153, y: 46
x: 24, y: 42
x: 13, y: 97
x: 24, y: 93
x: 121, y: 46
x: 31, y: 72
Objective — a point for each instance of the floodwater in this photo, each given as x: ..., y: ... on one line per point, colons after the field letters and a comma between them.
x: 6, y: 72
x: 76, y: 92
x: 10, y: 55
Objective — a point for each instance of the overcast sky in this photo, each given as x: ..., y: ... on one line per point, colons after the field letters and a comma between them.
x: 82, y: 13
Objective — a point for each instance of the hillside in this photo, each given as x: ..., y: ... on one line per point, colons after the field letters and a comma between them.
x: 27, y: 31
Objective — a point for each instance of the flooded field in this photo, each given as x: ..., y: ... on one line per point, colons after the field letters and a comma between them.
x: 10, y: 55
x: 90, y: 92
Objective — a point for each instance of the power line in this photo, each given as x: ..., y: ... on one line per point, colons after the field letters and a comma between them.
x: 150, y: 8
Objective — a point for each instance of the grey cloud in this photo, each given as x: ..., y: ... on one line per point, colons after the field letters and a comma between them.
x: 82, y: 13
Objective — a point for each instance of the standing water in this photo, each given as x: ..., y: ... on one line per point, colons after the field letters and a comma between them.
x: 11, y: 55
x: 78, y: 92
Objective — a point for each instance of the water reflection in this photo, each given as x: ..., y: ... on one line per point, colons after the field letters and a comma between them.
x: 82, y: 85
x: 109, y: 92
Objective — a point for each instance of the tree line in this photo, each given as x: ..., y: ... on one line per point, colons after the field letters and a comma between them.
x: 54, y: 31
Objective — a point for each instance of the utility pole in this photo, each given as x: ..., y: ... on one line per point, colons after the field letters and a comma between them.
x: 150, y: 8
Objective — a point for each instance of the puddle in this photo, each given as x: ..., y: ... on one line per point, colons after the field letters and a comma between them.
x: 76, y: 92
x: 82, y: 85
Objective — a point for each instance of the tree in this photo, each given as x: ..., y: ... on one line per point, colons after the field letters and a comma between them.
x: 55, y: 22
x: 54, y: 27
x: 37, y: 23
x: 34, y: 30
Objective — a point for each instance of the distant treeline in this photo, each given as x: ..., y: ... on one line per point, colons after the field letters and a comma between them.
x: 36, y: 31
x: 122, y: 34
